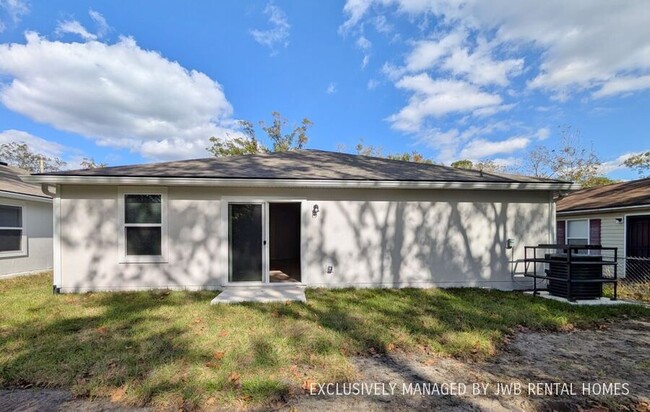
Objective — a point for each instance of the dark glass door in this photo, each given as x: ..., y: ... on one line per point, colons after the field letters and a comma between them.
x: 245, y: 231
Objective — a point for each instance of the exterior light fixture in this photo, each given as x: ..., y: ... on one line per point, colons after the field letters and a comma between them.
x: 315, y: 210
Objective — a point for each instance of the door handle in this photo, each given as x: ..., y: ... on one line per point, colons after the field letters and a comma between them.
x: 264, y: 243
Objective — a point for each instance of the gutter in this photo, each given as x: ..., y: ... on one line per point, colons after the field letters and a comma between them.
x: 602, y: 209
x: 291, y: 183
x: 24, y: 196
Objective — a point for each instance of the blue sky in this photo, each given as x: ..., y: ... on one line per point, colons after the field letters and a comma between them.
x: 128, y: 82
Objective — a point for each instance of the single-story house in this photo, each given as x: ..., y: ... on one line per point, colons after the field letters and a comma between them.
x: 311, y: 217
x: 25, y: 225
x: 616, y: 215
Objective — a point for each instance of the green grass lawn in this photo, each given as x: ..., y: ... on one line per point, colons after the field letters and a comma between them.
x: 174, y: 349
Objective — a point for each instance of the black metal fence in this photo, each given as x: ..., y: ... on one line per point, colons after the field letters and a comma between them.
x: 633, y: 278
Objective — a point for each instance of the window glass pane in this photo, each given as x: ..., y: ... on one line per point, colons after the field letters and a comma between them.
x: 144, y: 241
x: 577, y: 228
x: 142, y: 209
x: 10, y: 240
x: 10, y: 216
x: 245, y: 240
x: 578, y: 241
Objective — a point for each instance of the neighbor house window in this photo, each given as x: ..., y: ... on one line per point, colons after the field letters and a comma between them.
x: 11, y: 228
x: 143, y: 235
x: 577, y: 232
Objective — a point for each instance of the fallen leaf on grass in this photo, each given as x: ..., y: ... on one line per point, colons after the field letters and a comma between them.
x: 118, y: 394
x: 295, y: 372
x: 567, y: 328
x: 390, y: 347
x: 233, y: 377
x: 218, y: 355
x: 307, y: 384
x: 223, y: 333
x: 102, y: 330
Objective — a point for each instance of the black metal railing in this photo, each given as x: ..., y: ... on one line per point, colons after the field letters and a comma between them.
x: 564, y: 268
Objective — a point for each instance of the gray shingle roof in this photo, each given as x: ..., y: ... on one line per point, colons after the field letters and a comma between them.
x: 304, y: 164
x: 10, y: 182
x: 625, y: 194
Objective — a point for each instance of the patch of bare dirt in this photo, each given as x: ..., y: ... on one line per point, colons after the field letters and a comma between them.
x: 573, y: 368
x: 45, y: 400
x: 614, y: 353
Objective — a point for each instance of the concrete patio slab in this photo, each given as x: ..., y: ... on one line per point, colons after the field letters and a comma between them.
x: 586, y: 302
x: 262, y: 294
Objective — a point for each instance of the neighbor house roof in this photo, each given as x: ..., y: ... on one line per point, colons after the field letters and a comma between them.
x: 11, y: 184
x: 298, y: 166
x: 618, y: 195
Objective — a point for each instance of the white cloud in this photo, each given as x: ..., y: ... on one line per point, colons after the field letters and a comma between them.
x: 427, y: 53
x: 600, y: 46
x: 38, y: 144
x: 365, y: 45
x: 615, y: 164
x: 12, y: 10
x: 278, y: 34
x: 480, y: 67
x: 481, y: 148
x: 355, y: 10
x: 450, y: 53
x: 331, y: 88
x: 100, y: 21
x: 625, y: 84
x: 436, y: 98
x: 543, y: 133
x: 382, y: 25
x: 118, y: 94
x: 74, y: 27
x: 391, y: 71
x: 71, y: 156
x: 472, y: 143
x: 372, y: 84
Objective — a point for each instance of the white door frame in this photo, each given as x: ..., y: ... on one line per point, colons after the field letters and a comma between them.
x: 225, y: 241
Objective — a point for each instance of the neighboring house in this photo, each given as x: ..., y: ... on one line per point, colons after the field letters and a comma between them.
x: 25, y: 225
x: 314, y: 217
x: 616, y: 215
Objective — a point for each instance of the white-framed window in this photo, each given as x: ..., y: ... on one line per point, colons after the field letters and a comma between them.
x: 143, y: 224
x: 577, y: 232
x: 12, y: 231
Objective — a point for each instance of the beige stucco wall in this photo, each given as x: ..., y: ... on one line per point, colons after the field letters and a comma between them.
x: 37, y: 256
x: 394, y: 238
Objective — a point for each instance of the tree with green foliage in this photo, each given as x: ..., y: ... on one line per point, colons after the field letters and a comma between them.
x: 410, y: 157
x: 90, y: 163
x: 640, y: 162
x: 376, y: 151
x: 570, y: 161
x: 368, y: 150
x: 599, y: 181
x: 488, y: 166
x: 295, y: 139
x: 21, y: 155
x: 463, y: 164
